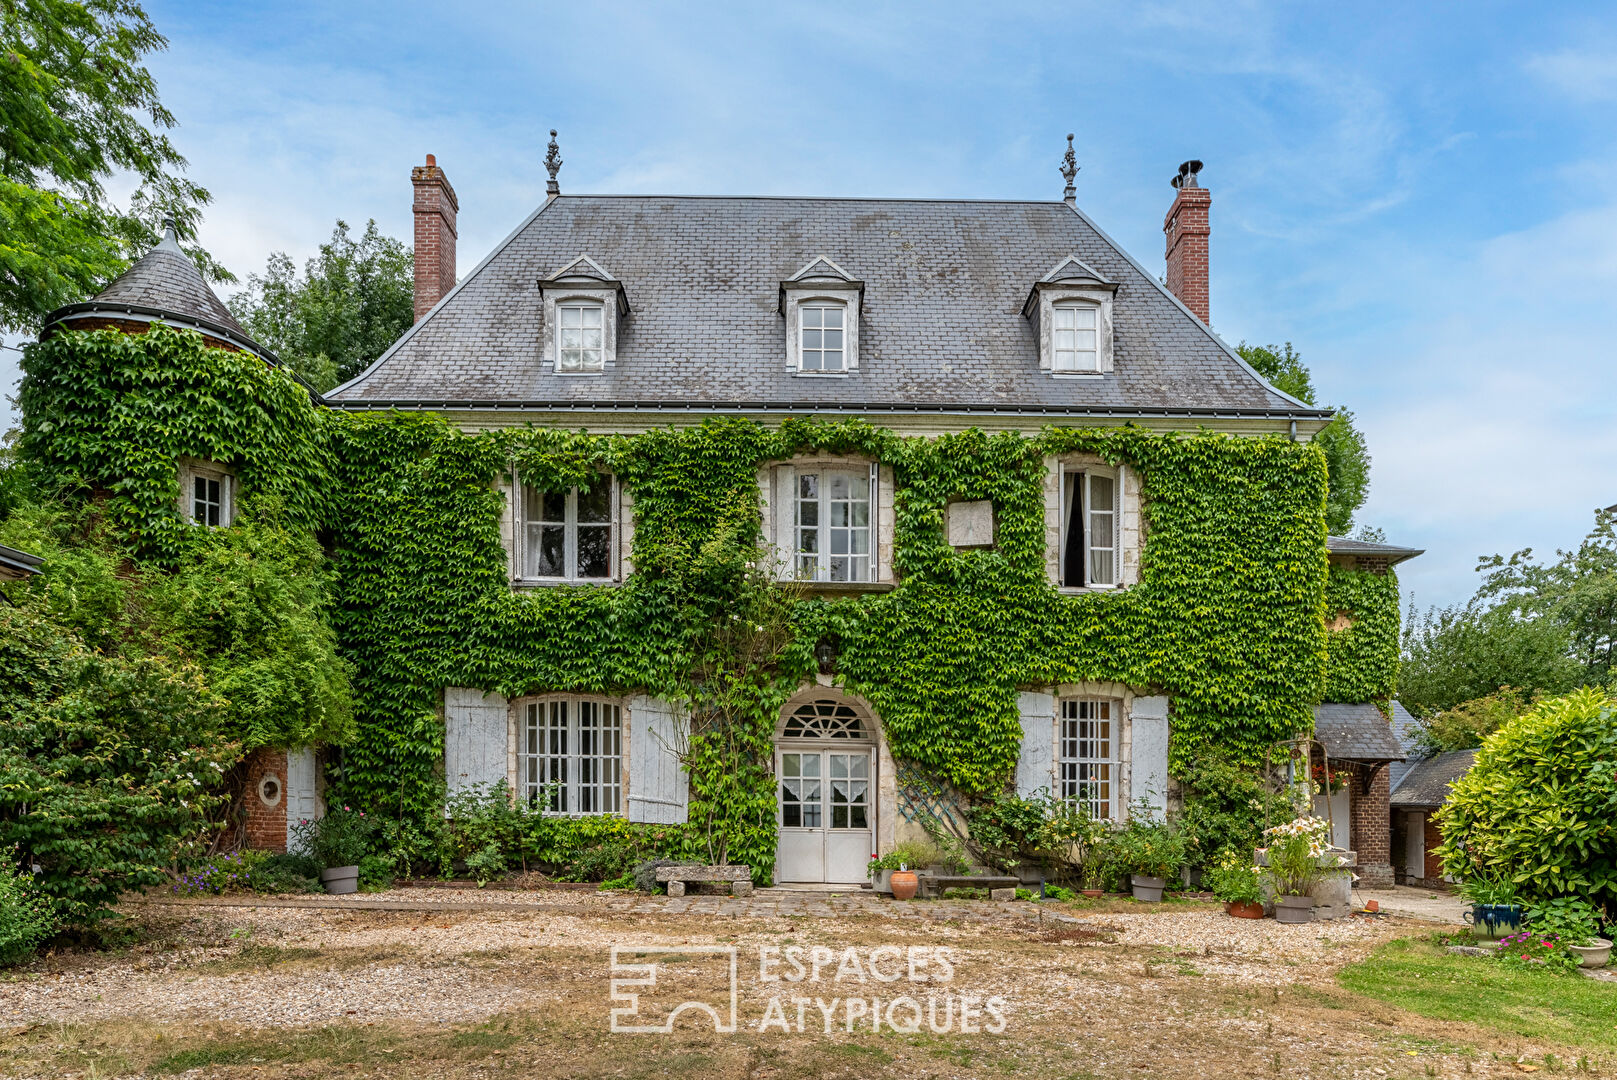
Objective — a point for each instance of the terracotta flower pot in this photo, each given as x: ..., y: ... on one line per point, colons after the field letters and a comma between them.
x: 1244, y: 909
x: 1093, y: 894
x: 904, y: 883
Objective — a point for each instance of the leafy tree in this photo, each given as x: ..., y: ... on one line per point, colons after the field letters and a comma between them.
x: 1577, y: 592
x: 1464, y: 726
x: 1347, y: 457
x: 1458, y: 654
x: 354, y: 300
x: 76, y: 107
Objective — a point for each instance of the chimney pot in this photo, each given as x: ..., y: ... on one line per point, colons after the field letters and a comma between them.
x: 1186, y: 229
x: 435, y: 211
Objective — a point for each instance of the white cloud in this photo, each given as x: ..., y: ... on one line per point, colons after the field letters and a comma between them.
x: 1584, y: 75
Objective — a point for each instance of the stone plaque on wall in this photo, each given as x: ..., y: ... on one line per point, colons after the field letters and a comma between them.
x: 971, y: 524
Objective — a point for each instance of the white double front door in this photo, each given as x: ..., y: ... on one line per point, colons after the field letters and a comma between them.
x: 827, y: 820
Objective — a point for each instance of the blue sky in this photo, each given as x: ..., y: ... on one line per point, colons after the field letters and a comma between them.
x: 1420, y: 199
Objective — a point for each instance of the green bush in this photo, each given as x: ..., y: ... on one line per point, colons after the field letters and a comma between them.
x: 342, y: 838
x: 1227, y: 807
x: 26, y: 916
x: 1233, y: 879
x: 290, y: 873
x: 1147, y: 847
x: 1040, y: 829
x: 231, y: 872
x: 1538, y: 806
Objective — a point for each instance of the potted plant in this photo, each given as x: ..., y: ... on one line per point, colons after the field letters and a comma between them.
x: 1576, y: 924
x: 1150, y: 852
x: 337, y: 843
x: 908, y: 855
x: 1291, y: 866
x: 1496, y: 911
x: 1234, y: 880
x: 904, y: 883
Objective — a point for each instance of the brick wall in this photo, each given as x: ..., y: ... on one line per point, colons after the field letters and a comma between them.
x: 1187, y: 228
x: 435, y: 211
x: 1370, y: 826
x: 1434, y: 837
x: 135, y: 326
x: 263, y: 800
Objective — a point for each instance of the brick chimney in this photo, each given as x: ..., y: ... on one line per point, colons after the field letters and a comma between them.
x: 435, y: 208
x: 1186, y: 228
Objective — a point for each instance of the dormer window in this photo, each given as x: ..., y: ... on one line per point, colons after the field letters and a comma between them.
x: 1071, y: 307
x: 821, y: 304
x: 579, y: 327
x: 583, y: 309
x: 1075, y: 336
x: 822, y: 328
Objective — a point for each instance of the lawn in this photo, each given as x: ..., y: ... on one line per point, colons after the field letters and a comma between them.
x: 1421, y: 977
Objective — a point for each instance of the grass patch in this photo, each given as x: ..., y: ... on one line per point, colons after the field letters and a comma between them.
x: 198, y: 1057
x: 256, y: 957
x: 1421, y: 978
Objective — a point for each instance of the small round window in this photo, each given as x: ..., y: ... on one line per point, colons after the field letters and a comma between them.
x: 269, y: 790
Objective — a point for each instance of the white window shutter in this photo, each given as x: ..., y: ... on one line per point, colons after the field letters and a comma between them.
x: 1117, y: 529
x: 1104, y: 337
x: 659, y: 790
x: 614, y: 558
x: 1035, y: 769
x: 475, y: 738
x: 786, y: 520
x: 1148, y: 764
x: 875, y: 529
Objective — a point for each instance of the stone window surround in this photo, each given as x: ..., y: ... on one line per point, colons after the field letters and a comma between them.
x: 1122, y: 737
x: 189, y: 469
x: 1129, y: 529
x: 513, y: 537
x: 614, y: 306
x: 849, y: 295
x: 1041, y: 308
x: 883, y: 520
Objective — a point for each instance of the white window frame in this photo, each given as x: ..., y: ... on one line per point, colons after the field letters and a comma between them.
x: 805, y: 350
x: 576, y: 743
x: 1088, y: 736
x: 189, y: 475
x: 798, y: 295
x: 1078, y: 481
x: 1049, y: 297
x: 525, y: 528
x: 1081, y: 361
x: 823, y: 527
x: 584, y: 306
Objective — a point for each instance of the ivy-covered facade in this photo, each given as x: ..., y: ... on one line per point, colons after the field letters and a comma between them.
x: 806, y: 521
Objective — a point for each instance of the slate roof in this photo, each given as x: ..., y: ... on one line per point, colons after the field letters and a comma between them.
x: 16, y: 564
x: 164, y: 284
x: 1342, y: 545
x: 1403, y: 729
x: 1426, y: 785
x: 941, y: 326
x: 1355, y: 733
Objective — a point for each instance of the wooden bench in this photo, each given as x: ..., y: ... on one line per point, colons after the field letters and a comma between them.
x: 677, y: 877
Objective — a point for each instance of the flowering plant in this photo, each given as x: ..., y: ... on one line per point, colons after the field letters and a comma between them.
x: 1535, y: 949
x: 1293, y: 855
x: 341, y: 838
x: 1234, y: 879
x: 215, y: 876
x: 1329, y: 779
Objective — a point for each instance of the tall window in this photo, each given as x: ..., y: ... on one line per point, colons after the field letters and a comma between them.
x: 1086, y: 755
x: 578, y: 345
x: 570, y: 755
x: 207, y: 501
x: 1089, y: 546
x: 568, y: 533
x: 833, y: 524
x: 1075, y: 341
x: 822, y: 337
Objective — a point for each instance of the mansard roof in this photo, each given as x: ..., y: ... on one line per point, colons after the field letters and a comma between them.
x: 163, y: 285
x: 942, y: 328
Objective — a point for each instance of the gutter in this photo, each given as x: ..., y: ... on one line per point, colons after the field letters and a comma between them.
x: 575, y: 406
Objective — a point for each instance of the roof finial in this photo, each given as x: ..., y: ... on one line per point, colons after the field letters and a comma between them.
x: 553, y: 164
x: 1069, y: 169
x: 169, y: 232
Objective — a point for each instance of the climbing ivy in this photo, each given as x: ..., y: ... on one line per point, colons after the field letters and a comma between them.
x: 1227, y: 616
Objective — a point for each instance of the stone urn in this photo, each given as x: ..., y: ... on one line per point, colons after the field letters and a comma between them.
x: 340, y: 880
x: 904, y: 883
x: 1596, y: 954
x: 1148, y: 889
x: 1244, y: 909
x: 1294, y: 909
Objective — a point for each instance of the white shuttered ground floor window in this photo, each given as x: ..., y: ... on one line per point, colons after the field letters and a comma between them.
x: 1087, y: 755
x: 570, y: 754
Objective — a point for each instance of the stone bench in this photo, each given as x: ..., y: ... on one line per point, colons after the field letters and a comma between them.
x: 677, y: 877
x: 932, y: 885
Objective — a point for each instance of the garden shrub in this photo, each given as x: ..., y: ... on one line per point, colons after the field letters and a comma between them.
x: 1147, y: 847
x: 342, y: 838
x: 1041, y: 830
x: 1227, y: 807
x: 1539, y: 804
x: 27, y: 917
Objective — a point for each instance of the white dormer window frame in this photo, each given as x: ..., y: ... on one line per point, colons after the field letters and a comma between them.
x: 1071, y: 310
x: 207, y: 494
x: 811, y: 300
x: 582, y: 308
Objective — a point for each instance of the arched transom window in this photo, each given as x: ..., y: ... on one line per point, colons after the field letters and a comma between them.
x: 825, y: 719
